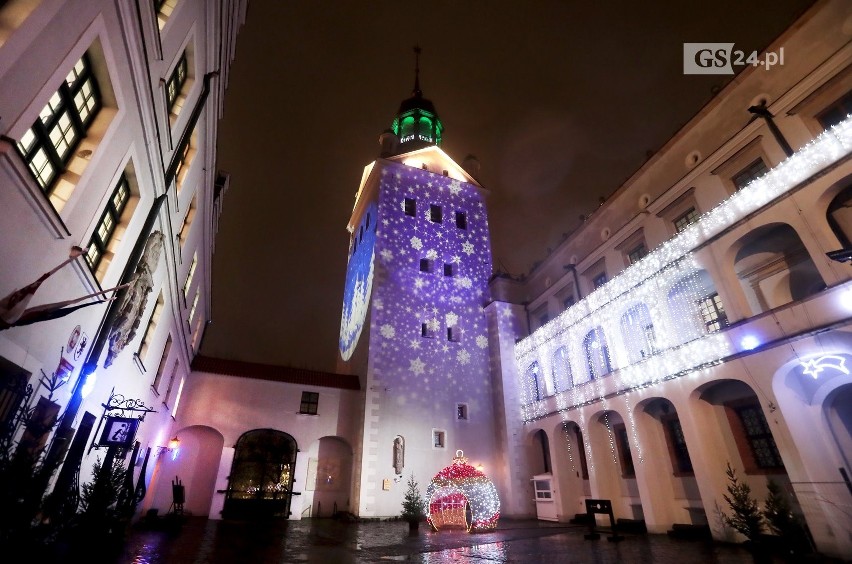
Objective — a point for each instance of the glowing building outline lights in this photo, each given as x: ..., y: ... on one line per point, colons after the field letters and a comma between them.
x: 651, y: 280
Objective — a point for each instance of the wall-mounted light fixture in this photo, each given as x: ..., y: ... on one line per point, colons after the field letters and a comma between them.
x: 173, y: 445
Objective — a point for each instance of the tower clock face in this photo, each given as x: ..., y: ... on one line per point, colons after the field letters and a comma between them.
x: 359, y: 283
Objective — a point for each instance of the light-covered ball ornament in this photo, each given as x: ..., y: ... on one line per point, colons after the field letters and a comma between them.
x: 460, y: 496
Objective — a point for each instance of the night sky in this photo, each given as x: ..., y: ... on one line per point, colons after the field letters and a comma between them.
x: 560, y: 102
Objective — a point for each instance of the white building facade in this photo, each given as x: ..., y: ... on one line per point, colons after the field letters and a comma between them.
x: 701, y: 315
x: 110, y: 117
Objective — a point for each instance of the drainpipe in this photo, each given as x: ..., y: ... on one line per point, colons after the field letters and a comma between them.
x: 573, y: 269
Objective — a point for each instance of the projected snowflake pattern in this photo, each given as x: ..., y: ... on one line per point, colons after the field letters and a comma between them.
x: 418, y: 309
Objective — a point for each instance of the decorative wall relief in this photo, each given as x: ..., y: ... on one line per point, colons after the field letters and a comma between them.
x: 135, y: 298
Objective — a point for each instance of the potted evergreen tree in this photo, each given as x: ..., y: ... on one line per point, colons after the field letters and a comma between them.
x: 413, y: 506
x: 779, y: 516
x: 746, y: 517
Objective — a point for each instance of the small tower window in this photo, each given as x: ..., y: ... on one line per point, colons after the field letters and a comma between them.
x: 449, y: 269
x: 453, y: 334
x: 425, y: 265
x: 435, y: 214
x: 461, y: 411
x: 410, y: 206
x: 461, y: 220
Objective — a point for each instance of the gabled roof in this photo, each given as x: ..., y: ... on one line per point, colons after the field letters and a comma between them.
x: 274, y: 373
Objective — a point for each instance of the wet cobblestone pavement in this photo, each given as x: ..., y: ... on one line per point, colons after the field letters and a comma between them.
x: 326, y: 541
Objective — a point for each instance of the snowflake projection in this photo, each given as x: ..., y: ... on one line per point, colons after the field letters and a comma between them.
x: 387, y: 331
x: 417, y: 366
x: 481, y: 341
x: 422, y: 307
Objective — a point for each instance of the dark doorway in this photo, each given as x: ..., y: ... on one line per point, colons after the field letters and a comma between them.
x: 261, y: 482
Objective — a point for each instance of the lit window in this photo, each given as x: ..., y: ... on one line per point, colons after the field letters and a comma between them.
x: 435, y: 214
x: 749, y: 173
x: 310, y: 403
x: 187, y: 222
x: 161, y: 369
x: 685, y: 220
x: 49, y: 144
x: 713, y: 313
x: 101, y: 238
x: 410, y: 207
x: 175, y: 83
x: 189, y: 276
x: 187, y: 152
x: 168, y: 394
x: 150, y: 329
x: 461, y: 220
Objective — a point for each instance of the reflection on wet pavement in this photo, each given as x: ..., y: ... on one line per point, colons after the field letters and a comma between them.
x: 326, y: 541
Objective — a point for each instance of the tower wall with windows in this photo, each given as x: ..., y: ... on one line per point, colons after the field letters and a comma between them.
x: 427, y: 378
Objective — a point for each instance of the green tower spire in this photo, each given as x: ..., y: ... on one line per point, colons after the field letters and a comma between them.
x: 417, y: 123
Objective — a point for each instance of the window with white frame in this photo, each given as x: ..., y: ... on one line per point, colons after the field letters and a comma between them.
x: 191, y: 274
x: 150, y: 328
x: 102, y: 240
x: 49, y: 144
x: 164, y: 10
x: 161, y: 368
x: 187, y: 222
x: 193, y: 307
x: 175, y: 84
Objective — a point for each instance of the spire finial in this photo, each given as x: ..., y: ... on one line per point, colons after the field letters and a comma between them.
x: 417, y: 91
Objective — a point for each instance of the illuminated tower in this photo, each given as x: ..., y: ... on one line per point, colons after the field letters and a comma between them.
x: 413, y: 326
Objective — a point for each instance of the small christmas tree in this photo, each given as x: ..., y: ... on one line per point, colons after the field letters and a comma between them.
x: 746, y: 518
x: 781, y: 520
x: 413, y: 505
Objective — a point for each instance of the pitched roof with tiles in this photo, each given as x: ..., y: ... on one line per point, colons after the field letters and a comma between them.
x: 285, y: 374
